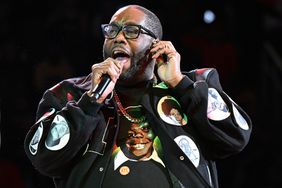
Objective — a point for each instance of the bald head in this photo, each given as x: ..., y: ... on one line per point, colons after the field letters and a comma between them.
x: 151, y: 21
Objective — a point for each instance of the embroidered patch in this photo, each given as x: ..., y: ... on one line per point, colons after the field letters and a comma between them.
x: 217, y: 108
x: 33, y: 145
x: 188, y: 146
x: 239, y: 118
x: 58, y: 135
x: 46, y: 115
x: 170, y: 111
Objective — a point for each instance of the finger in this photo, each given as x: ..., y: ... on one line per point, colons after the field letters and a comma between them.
x: 111, y: 68
x: 106, y: 65
x: 162, y: 44
x: 162, y: 51
x: 113, y: 61
x: 96, y: 78
x: 158, y: 53
x: 116, y: 69
x: 117, y: 64
x: 161, y: 48
x: 155, y: 48
x: 114, y: 72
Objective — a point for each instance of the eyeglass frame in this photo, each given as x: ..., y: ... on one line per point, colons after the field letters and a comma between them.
x: 121, y: 28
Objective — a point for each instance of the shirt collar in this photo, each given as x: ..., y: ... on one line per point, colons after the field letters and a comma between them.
x: 120, y: 158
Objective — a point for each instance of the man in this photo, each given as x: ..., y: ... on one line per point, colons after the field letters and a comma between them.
x: 107, y: 135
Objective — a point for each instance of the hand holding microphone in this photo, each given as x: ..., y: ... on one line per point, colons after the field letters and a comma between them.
x: 104, y: 77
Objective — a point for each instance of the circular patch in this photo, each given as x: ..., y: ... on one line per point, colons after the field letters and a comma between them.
x: 58, y: 135
x: 33, y: 145
x: 124, y: 170
x: 170, y: 111
x: 239, y: 118
x: 188, y: 146
x: 217, y: 108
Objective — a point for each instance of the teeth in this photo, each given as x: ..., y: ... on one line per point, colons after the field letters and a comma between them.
x: 139, y: 146
x: 115, y: 53
x: 118, y: 52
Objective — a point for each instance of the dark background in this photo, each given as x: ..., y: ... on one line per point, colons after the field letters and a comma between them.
x: 43, y: 42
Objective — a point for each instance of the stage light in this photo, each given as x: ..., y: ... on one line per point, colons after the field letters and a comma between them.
x: 209, y: 16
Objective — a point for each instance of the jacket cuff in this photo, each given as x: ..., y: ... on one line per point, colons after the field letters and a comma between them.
x: 88, y: 106
x: 183, y: 85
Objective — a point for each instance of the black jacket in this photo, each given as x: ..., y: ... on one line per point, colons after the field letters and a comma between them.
x: 82, y: 160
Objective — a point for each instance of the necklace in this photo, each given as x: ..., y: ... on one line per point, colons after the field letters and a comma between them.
x: 125, y: 114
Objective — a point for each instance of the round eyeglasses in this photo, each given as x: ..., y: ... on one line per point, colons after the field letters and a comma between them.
x: 131, y: 31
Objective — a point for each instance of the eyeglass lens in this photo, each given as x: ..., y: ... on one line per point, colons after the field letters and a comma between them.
x: 130, y: 31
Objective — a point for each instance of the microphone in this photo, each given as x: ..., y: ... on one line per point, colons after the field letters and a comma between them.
x: 102, y: 86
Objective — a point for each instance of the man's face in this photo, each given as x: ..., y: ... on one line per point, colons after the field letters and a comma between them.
x: 140, y: 139
x: 132, y: 53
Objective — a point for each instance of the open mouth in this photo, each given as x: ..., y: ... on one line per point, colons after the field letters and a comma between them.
x: 120, y: 55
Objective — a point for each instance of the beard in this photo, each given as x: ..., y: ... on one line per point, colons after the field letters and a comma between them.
x: 132, y: 71
x: 138, y: 64
x: 139, y: 70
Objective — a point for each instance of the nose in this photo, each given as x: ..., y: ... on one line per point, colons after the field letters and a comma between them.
x: 138, y: 135
x: 120, y: 38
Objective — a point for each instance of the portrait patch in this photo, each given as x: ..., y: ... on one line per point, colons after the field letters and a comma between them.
x: 170, y: 111
x: 239, y: 118
x: 188, y: 146
x: 217, y: 108
x: 33, y: 145
x: 58, y: 135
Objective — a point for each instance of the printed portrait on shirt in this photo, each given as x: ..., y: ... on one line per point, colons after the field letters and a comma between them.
x: 170, y: 111
x: 136, y: 142
x: 140, y: 139
x: 136, y: 139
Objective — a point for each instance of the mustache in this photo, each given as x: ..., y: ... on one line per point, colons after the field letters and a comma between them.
x: 119, y: 46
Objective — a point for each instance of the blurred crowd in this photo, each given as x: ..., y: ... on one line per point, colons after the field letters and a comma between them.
x: 44, y: 42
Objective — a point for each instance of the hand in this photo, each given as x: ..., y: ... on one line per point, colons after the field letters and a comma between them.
x: 111, y: 67
x: 169, y: 71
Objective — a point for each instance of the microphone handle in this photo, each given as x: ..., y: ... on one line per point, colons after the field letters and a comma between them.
x: 105, y: 81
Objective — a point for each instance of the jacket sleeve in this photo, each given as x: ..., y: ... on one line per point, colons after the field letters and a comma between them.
x: 62, y: 129
x: 223, y: 127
